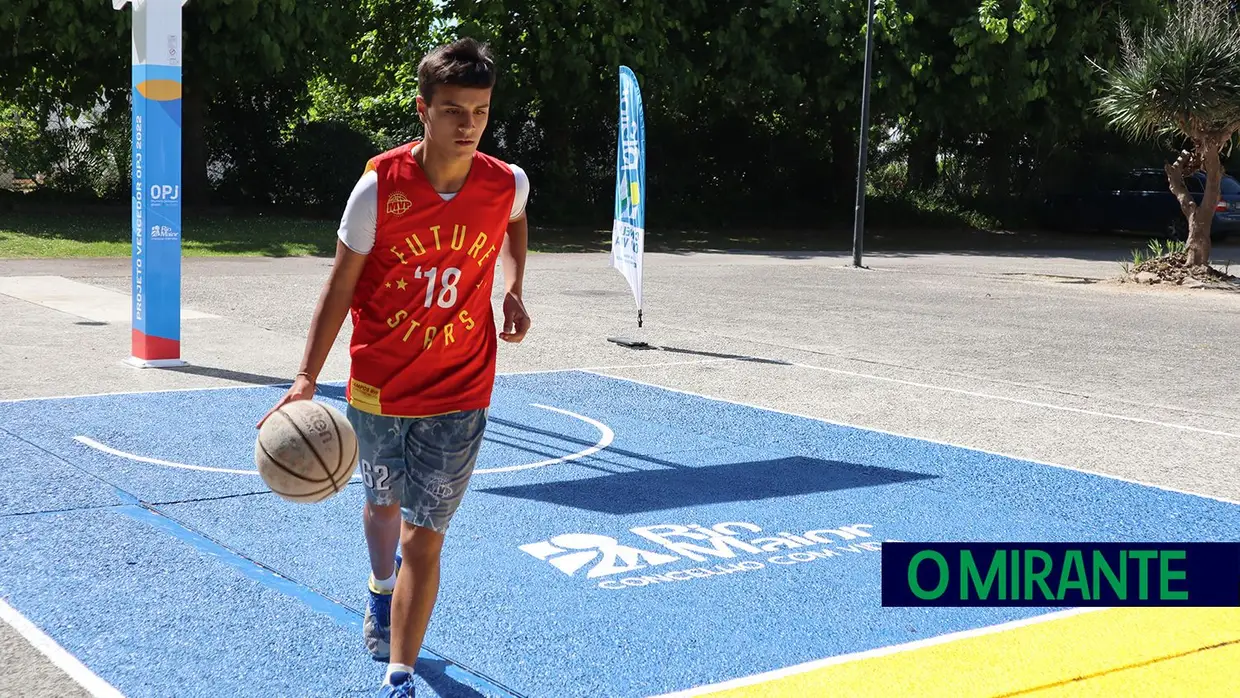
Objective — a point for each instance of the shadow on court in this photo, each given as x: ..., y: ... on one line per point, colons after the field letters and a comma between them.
x: 525, y: 439
x: 435, y: 674
x: 642, y: 491
x: 745, y: 358
x: 227, y: 374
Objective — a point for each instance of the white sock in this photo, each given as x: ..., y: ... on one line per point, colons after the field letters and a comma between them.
x: 383, y: 584
x: 393, y: 668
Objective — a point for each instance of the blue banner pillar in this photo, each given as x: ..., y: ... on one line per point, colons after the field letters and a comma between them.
x: 156, y: 170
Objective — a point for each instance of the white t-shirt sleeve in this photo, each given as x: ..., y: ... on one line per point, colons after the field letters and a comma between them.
x: 523, y: 192
x: 361, y: 215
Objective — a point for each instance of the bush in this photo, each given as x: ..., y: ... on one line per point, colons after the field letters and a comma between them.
x: 320, y: 162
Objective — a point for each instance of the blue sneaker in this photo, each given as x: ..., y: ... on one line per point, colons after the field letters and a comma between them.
x: 400, y: 687
x: 377, y: 624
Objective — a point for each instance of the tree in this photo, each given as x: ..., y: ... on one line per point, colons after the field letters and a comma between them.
x: 1004, y: 75
x: 69, y: 56
x: 1182, y: 81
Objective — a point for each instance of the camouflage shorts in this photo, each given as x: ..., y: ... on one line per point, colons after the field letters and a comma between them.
x: 424, y: 463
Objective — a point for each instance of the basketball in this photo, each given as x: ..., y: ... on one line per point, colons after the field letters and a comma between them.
x: 306, y: 451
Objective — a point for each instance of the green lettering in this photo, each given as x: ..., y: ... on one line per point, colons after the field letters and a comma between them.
x: 969, y: 574
x: 1038, y: 577
x: 1143, y: 579
x: 1015, y: 574
x: 1120, y: 584
x: 944, y: 575
x: 1166, y: 575
x: 1073, y: 564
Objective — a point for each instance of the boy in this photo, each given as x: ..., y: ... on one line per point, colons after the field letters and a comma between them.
x: 414, y: 267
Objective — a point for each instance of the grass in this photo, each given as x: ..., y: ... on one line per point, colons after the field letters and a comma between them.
x: 892, y: 223
x: 107, y: 234
x: 1154, y: 249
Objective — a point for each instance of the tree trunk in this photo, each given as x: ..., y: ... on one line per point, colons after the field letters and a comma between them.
x: 1199, y: 227
x: 1199, y: 215
x: 194, y: 183
x: 1198, y: 245
x: 997, y: 150
x: 844, y: 151
x: 923, y: 159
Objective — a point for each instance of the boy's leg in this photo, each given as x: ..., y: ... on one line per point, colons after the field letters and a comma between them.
x: 440, y: 453
x: 381, y: 453
x: 381, y: 524
x: 416, y: 591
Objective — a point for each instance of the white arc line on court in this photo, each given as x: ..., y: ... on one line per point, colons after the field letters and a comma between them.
x: 606, y: 436
x: 87, y: 441
x: 59, y: 656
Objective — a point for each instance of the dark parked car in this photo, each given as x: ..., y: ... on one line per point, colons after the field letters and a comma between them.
x: 1141, y: 202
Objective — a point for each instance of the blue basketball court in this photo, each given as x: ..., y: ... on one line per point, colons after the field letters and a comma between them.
x: 619, y: 539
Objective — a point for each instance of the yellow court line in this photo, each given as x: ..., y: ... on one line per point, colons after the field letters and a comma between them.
x: 1114, y: 652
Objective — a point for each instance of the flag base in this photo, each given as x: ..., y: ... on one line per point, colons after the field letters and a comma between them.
x: 630, y: 343
x: 155, y: 363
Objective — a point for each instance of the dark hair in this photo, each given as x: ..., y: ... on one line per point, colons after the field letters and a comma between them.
x: 464, y: 63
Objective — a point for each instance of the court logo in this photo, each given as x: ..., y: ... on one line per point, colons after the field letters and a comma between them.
x: 570, y: 552
x: 729, y: 544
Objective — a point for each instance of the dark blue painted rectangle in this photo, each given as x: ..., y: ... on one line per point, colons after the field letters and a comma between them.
x: 1061, y: 573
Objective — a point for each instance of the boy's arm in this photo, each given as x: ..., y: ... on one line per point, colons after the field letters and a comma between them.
x: 356, y: 237
x: 512, y: 256
x: 329, y: 314
x: 333, y: 307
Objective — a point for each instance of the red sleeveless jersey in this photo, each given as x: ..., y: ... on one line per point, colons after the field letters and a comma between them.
x: 424, y: 337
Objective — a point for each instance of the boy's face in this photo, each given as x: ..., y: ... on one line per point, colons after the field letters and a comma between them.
x: 455, y: 118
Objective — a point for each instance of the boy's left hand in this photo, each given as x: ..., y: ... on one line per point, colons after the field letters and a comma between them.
x: 516, y: 320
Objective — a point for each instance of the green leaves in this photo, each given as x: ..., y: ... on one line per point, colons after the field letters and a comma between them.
x: 762, y: 94
x: 1182, y: 78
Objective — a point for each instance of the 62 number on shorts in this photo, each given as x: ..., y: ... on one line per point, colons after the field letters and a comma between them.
x: 375, y: 477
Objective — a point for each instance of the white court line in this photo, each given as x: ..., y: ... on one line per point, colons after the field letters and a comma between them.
x: 87, y: 441
x: 58, y: 655
x: 341, y: 381
x: 606, y: 436
x: 879, y: 652
x: 1031, y: 403
x: 657, y: 364
x: 245, y: 386
x: 918, y: 438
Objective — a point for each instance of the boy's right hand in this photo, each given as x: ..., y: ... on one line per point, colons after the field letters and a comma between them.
x: 302, y: 389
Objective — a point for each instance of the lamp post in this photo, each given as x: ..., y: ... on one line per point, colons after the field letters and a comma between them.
x: 859, y: 211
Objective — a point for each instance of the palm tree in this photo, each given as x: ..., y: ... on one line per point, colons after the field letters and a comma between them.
x: 1182, y: 81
